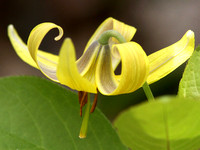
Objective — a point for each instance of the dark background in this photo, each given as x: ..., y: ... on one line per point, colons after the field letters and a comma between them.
x: 159, y: 23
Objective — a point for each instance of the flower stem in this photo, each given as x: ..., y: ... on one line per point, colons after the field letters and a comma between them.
x: 148, y: 92
x: 84, y: 125
x: 105, y: 36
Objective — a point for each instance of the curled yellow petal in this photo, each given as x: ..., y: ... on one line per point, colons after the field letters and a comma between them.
x: 168, y: 59
x: 45, y: 61
x: 20, y: 47
x: 105, y: 77
x: 24, y: 53
x: 112, y: 24
x: 67, y: 71
x: 85, y: 62
x: 134, y: 69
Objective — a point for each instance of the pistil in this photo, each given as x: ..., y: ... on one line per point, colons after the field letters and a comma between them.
x: 84, y: 125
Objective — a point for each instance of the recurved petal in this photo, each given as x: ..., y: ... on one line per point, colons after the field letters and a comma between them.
x: 46, y: 62
x: 20, y: 47
x: 67, y: 71
x: 85, y: 62
x: 23, y: 52
x: 168, y: 59
x: 134, y: 69
x: 112, y: 24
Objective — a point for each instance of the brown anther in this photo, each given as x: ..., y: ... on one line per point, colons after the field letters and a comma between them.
x: 83, y: 97
x: 94, y: 103
x: 82, y: 100
x: 80, y: 94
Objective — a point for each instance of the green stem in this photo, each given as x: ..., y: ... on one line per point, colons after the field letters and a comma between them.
x: 148, y: 92
x: 105, y: 36
x: 84, y: 125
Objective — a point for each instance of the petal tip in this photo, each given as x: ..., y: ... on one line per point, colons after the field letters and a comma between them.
x: 10, y: 26
x: 109, y: 18
x: 190, y: 34
x: 60, y: 34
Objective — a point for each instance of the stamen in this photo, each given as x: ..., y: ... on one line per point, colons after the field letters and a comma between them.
x: 94, y: 103
x: 82, y: 100
x: 80, y: 94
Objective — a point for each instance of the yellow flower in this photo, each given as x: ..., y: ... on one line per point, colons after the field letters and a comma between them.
x: 94, y: 70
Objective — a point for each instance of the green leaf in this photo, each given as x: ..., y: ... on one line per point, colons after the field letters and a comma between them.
x: 36, y: 114
x: 190, y: 83
x: 165, y: 124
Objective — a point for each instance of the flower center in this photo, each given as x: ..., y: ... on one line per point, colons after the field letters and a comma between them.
x: 95, y: 47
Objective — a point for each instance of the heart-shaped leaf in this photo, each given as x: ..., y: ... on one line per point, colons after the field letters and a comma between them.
x: 36, y: 114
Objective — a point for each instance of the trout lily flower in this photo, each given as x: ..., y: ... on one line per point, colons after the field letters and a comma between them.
x: 94, y: 70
